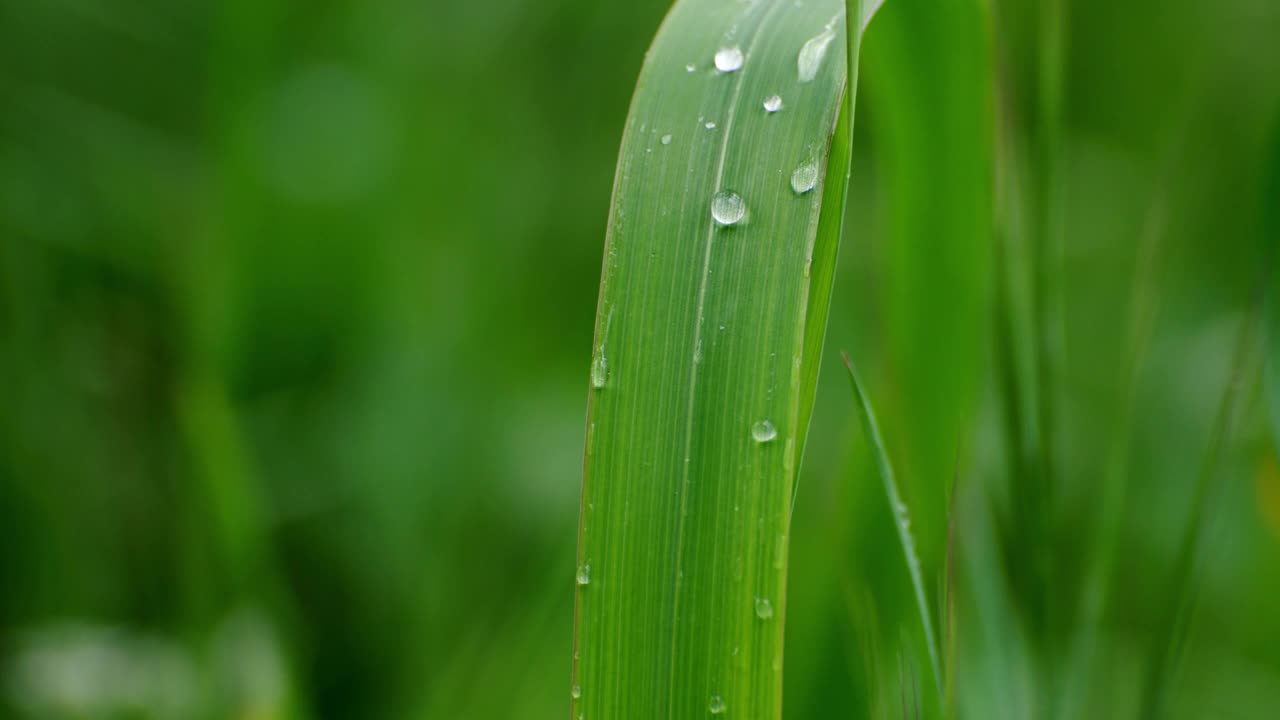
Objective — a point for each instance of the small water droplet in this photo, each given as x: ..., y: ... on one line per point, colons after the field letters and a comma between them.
x: 727, y: 208
x: 666, y: 139
x: 764, y: 609
x: 805, y: 177
x: 584, y: 574
x: 763, y: 431
x: 576, y: 692
x: 812, y: 54
x: 599, y: 371
x: 772, y: 104
x: 716, y: 705
x: 710, y: 126
x: 729, y: 59
x: 690, y: 67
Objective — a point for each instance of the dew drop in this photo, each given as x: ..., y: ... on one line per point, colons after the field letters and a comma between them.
x: 727, y: 208
x: 772, y: 104
x: 599, y: 371
x: 812, y: 54
x: 763, y: 431
x: 729, y: 59
x: 666, y: 139
x: 576, y: 692
x: 716, y: 706
x: 690, y: 67
x: 584, y: 574
x: 710, y: 126
x: 805, y: 177
x: 764, y: 609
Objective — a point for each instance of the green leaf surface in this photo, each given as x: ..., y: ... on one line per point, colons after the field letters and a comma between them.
x: 708, y: 335
x: 928, y: 80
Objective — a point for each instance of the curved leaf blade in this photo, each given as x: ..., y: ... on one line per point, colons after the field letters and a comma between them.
x: 704, y: 364
x: 901, y: 521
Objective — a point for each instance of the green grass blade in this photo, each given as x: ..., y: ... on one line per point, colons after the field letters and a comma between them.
x: 902, y: 521
x: 1172, y: 625
x: 705, y: 360
x: 1271, y: 240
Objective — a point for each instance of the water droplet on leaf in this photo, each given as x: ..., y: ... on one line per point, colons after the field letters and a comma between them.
x: 729, y: 59
x: 716, y: 705
x: 584, y: 575
x: 728, y: 208
x: 805, y: 177
x: 773, y: 104
x: 764, y: 609
x: 763, y: 431
x: 812, y: 54
x: 599, y: 371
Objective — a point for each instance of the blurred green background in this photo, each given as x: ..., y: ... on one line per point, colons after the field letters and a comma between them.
x: 296, y: 303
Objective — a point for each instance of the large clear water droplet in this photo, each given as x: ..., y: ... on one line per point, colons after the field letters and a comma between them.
x: 812, y: 54
x: 763, y: 431
x: 728, y: 208
x: 729, y: 59
x: 764, y: 609
x: 716, y: 706
x: 805, y: 178
x: 772, y: 104
x: 584, y: 574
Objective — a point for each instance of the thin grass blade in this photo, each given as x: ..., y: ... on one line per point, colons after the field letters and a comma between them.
x: 901, y: 520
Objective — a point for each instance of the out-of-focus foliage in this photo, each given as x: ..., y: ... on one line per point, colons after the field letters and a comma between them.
x: 295, y: 323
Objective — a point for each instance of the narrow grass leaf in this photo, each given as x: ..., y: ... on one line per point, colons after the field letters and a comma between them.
x: 1172, y: 626
x: 726, y: 216
x: 901, y: 520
